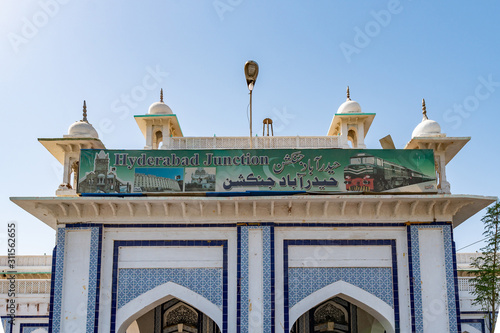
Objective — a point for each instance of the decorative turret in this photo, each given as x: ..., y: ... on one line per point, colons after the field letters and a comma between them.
x: 350, y: 124
x: 427, y: 135
x: 427, y: 128
x: 82, y: 128
x: 81, y: 135
x: 158, y: 125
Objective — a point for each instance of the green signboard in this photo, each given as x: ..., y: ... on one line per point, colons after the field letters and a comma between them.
x: 244, y: 170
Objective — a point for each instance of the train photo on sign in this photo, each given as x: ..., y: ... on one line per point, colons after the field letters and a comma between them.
x: 368, y: 173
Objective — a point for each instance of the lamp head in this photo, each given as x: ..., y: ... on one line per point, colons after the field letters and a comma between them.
x: 251, y: 72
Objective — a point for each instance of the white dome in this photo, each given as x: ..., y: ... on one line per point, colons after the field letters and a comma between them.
x: 159, y: 108
x: 349, y: 107
x: 82, y: 129
x: 427, y: 128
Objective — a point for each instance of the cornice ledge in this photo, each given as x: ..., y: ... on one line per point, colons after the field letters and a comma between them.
x: 299, y: 208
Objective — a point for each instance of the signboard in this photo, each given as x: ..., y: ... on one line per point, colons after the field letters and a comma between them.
x: 244, y: 170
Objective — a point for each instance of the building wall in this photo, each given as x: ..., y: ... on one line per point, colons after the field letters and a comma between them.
x: 255, y: 278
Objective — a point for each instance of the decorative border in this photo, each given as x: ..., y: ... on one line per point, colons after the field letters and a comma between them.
x: 342, y: 242
x: 122, y: 243
x: 243, y: 276
x: 57, y: 282
x: 52, y: 289
x: 9, y: 328
x: 96, y: 232
x: 133, y: 282
x: 455, y: 280
x: 233, y: 225
x: 475, y: 321
x: 31, y: 325
x: 415, y: 277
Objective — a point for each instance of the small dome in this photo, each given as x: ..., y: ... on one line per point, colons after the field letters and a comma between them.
x: 82, y: 129
x: 159, y: 108
x: 349, y: 107
x: 427, y: 128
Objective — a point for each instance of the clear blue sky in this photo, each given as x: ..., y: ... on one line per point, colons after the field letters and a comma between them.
x: 54, y: 54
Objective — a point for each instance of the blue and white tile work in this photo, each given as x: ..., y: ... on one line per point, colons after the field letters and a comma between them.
x: 94, y: 273
x: 30, y: 328
x: 302, y: 282
x: 94, y: 278
x: 268, y: 277
x: 212, y: 283
x: 57, y: 275
x: 6, y: 324
x: 132, y: 282
x: 478, y: 324
x: 385, y: 281
x: 416, y: 295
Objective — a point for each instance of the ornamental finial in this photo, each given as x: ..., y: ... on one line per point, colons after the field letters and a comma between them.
x: 161, y: 95
x: 348, y: 94
x: 84, y: 112
x: 424, y: 110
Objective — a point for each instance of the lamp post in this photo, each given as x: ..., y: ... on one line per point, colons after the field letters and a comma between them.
x: 251, y: 72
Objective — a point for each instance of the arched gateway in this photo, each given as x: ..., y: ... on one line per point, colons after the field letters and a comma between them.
x: 344, y: 305
x: 173, y: 307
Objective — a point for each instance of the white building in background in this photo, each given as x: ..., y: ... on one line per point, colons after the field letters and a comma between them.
x: 298, y: 234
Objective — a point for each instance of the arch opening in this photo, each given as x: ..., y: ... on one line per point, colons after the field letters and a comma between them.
x: 143, y: 309
x: 339, y: 316
x: 352, y: 137
x: 346, y: 308
x: 158, y: 139
x: 174, y: 316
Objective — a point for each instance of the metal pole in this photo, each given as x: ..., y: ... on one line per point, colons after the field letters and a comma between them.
x: 251, y: 145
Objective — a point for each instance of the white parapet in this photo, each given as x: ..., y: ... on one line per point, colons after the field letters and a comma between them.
x: 261, y: 142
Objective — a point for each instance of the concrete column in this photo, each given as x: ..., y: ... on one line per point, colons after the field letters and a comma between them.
x: 343, y: 135
x: 445, y: 185
x: 361, y: 135
x: 149, y: 135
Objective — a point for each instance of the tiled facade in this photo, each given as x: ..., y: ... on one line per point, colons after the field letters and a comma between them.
x: 94, y: 278
x: 316, y: 277
x: 205, y: 281
x: 452, y: 298
x: 244, y: 274
x: 30, y: 328
x: 212, y: 283
x: 304, y: 281
x: 26, y: 324
x: 478, y: 324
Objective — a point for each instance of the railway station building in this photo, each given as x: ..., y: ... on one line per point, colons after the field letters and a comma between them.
x: 266, y: 234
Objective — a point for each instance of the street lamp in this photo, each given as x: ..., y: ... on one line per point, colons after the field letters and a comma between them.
x: 251, y: 72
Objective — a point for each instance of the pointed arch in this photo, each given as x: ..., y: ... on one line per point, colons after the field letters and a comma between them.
x: 370, y: 303
x: 159, y: 295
